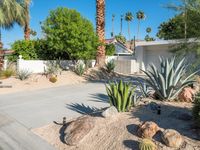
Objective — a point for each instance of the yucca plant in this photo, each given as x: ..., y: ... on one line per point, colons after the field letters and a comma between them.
x: 196, y: 110
x: 147, y: 144
x: 110, y: 66
x: 169, y: 79
x: 120, y: 95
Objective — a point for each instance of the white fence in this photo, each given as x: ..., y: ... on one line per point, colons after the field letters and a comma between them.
x: 124, y: 64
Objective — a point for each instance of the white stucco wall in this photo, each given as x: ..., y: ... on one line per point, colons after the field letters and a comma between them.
x: 147, y: 55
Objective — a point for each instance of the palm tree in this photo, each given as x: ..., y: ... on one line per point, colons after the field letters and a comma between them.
x: 100, y: 28
x: 148, y: 30
x: 140, y: 16
x: 113, y: 19
x: 27, y: 30
x: 121, y: 24
x: 11, y: 12
x: 129, y: 18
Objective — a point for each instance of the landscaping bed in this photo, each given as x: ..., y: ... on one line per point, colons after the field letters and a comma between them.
x: 121, y: 130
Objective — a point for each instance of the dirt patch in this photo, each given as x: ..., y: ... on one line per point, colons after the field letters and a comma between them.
x: 120, y: 132
x: 37, y: 81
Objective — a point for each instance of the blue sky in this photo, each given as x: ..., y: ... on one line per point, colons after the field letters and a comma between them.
x: 153, y: 9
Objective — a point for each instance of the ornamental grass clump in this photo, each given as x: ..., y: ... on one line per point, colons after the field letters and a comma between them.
x: 196, y: 110
x: 169, y: 79
x: 80, y: 69
x: 120, y: 95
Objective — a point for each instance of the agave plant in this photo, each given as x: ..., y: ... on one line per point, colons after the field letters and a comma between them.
x: 120, y: 95
x: 110, y: 66
x: 169, y: 79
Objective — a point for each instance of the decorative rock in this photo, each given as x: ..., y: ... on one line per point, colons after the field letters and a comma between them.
x: 187, y: 95
x: 148, y: 129
x: 172, y: 138
x: 78, y: 129
x: 110, y: 112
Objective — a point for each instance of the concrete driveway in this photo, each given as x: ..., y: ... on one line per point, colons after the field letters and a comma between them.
x: 38, y: 108
x: 20, y: 112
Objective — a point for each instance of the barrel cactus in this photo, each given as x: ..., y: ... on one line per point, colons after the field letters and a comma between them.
x: 120, y: 95
x: 147, y: 144
x: 169, y: 79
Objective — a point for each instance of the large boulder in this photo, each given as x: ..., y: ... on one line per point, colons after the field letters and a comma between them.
x: 148, y: 129
x: 172, y: 138
x: 187, y: 95
x: 110, y: 112
x: 78, y: 129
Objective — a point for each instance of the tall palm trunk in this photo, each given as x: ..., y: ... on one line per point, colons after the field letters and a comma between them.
x: 27, y: 21
x: 185, y: 22
x: 100, y: 28
x: 138, y: 31
x: 129, y: 34
x: 121, y: 25
x: 1, y: 44
x: 113, y: 34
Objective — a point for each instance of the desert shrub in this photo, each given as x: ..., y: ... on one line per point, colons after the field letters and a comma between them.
x: 23, y: 74
x: 26, y: 48
x: 53, y: 79
x: 196, y: 110
x: 110, y: 66
x: 53, y: 68
x: 79, y: 69
x: 170, y: 79
x: 110, y: 49
x: 147, y: 144
x: 7, y: 73
x: 120, y: 95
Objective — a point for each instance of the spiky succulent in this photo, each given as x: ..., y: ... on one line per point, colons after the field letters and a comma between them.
x: 147, y: 144
x: 120, y: 95
x: 169, y: 79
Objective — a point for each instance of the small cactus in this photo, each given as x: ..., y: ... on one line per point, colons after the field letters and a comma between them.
x: 147, y: 144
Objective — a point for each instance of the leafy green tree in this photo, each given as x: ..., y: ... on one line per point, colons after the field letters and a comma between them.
x: 25, y: 48
x: 110, y: 49
x: 70, y: 35
x: 174, y: 28
x: 120, y: 38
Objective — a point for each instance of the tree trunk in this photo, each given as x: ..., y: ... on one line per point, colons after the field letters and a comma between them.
x: 129, y: 35
x: 138, y: 32
x: 100, y: 28
x: 1, y: 44
x: 121, y: 25
x: 26, y: 32
x: 27, y: 22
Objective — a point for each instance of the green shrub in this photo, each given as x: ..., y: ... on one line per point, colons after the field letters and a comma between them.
x: 169, y: 79
x: 147, y: 144
x: 80, y: 69
x: 26, y: 48
x: 53, y: 79
x: 110, y: 49
x: 23, y: 74
x: 196, y: 110
x: 120, y: 95
x: 110, y: 66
